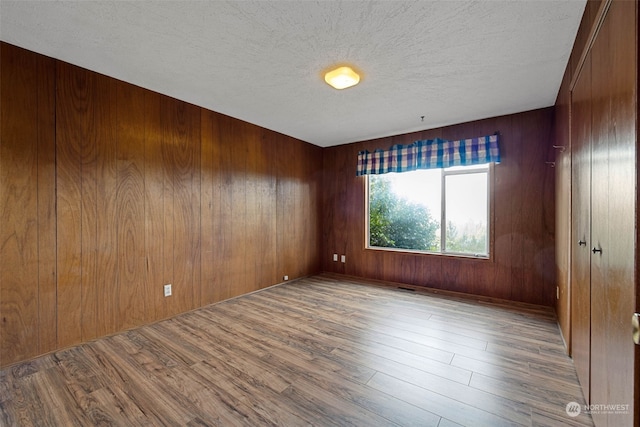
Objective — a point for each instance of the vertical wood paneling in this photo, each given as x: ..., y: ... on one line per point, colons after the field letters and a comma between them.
x: 46, y: 223
x: 564, y: 241
x: 335, y: 177
x: 168, y: 195
x: 504, y: 182
x: 107, y: 219
x: 99, y: 251
x: 131, y: 303
x: 352, y: 230
x: 251, y: 154
x: 27, y: 205
x: 313, y: 156
x: 182, y: 133
x: 307, y: 207
x: 285, y: 210
x: 84, y: 119
x: 225, y: 236
x: 210, y: 208
x: 87, y: 135
x: 538, y: 226
x: 71, y: 103
x: 329, y: 158
x: 236, y: 152
x: 516, y: 260
x: 154, y: 207
x: 298, y: 174
x: 523, y: 245
x: 264, y: 173
x: 218, y: 286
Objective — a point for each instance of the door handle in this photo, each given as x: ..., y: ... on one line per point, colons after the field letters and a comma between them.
x: 635, y: 323
x: 582, y: 243
x: 596, y: 250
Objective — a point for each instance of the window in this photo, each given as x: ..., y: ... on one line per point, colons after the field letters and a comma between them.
x: 432, y: 210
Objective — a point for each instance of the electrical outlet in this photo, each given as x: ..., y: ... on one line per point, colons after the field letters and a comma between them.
x: 335, y: 257
x: 286, y: 277
x: 343, y: 258
x: 167, y: 290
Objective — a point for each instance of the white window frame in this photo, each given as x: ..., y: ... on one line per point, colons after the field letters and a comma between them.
x: 466, y: 170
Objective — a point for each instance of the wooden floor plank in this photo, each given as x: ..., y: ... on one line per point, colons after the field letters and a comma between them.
x: 350, y: 330
x: 503, y: 406
x: 404, y: 365
x: 538, y: 395
x: 325, y: 351
x: 452, y: 409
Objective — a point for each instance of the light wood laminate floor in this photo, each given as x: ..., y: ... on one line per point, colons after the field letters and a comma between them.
x: 324, y: 351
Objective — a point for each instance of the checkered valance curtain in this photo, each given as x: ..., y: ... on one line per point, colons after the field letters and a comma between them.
x: 430, y: 154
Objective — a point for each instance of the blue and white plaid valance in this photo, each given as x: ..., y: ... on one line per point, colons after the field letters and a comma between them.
x: 430, y: 154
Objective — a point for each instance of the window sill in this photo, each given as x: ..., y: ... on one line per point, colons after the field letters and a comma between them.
x: 425, y: 253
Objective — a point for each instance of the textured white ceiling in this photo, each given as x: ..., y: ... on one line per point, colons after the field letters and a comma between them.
x: 262, y: 61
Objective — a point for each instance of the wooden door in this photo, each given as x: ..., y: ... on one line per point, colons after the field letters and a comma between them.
x: 613, y: 199
x: 601, y: 243
x: 580, y: 226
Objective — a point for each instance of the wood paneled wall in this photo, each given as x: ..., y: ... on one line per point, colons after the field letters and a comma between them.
x: 108, y: 191
x: 563, y: 206
x: 563, y: 172
x: 522, y: 264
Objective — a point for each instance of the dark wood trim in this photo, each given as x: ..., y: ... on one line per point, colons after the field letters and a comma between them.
x: 431, y: 291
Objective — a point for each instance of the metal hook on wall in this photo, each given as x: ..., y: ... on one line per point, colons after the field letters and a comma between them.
x: 559, y: 147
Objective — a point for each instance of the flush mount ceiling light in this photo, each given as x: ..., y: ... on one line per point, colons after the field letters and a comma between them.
x: 342, y: 78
